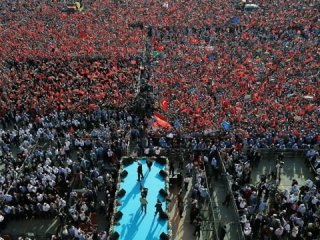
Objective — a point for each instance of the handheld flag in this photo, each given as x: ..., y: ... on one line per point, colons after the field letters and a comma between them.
x: 225, y: 125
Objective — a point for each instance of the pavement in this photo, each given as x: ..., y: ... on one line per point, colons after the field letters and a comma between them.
x: 294, y: 167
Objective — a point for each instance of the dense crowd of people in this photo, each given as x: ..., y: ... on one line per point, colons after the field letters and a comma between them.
x: 63, y: 165
x: 207, y: 63
x: 39, y: 29
x: 80, y: 86
x: 265, y: 211
x: 259, y: 72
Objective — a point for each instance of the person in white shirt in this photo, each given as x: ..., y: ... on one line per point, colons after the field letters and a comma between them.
x: 39, y: 197
x: 157, y: 151
x: 62, y: 203
x: 295, y: 232
x: 83, y: 216
x: 45, y: 207
x: 302, y: 209
x: 243, y: 204
x: 189, y: 167
x: 279, y: 232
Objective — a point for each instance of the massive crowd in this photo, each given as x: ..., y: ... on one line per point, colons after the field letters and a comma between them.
x: 63, y: 165
x: 208, y: 62
x: 259, y: 72
x: 211, y: 62
x: 80, y: 86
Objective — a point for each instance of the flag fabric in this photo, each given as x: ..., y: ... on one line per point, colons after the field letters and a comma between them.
x: 83, y: 35
x: 235, y: 20
x: 225, y: 125
x: 194, y: 40
x: 164, y: 104
x: 159, y: 115
x: 160, y: 121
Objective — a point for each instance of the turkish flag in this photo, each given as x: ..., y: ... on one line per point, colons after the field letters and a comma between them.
x: 161, y: 123
x: 164, y: 104
x: 160, y: 116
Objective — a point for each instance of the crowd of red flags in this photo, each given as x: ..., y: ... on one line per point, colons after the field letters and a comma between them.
x: 203, y: 77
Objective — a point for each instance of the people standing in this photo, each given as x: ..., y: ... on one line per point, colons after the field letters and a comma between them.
x: 189, y: 168
x: 140, y: 172
x: 171, y: 168
x: 180, y: 180
x: 222, y: 232
x: 197, y: 225
x: 180, y: 203
x: 158, y: 207
x: 214, y: 167
x: 227, y: 200
x: 144, y: 204
x: 149, y: 164
x: 143, y: 191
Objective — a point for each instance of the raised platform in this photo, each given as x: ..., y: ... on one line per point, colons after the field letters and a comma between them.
x: 134, y: 224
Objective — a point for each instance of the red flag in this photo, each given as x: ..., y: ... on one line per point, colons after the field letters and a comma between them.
x: 164, y: 104
x: 160, y: 47
x: 296, y: 132
x: 309, y: 108
x: 225, y: 104
x: 160, y: 116
x: 194, y: 40
x: 82, y: 34
x: 161, y: 123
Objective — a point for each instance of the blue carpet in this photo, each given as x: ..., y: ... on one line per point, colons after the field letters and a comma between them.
x: 135, y: 225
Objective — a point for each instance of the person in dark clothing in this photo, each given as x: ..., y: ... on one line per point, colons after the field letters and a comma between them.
x: 140, y: 171
x: 180, y: 206
x: 149, y: 164
x: 227, y: 200
x: 180, y: 180
x: 171, y: 169
x: 194, y: 212
x: 180, y: 203
x: 143, y: 191
x: 197, y: 224
x: 158, y: 207
x: 222, y: 232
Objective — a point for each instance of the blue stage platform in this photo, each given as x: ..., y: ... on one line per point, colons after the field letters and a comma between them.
x: 135, y: 225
